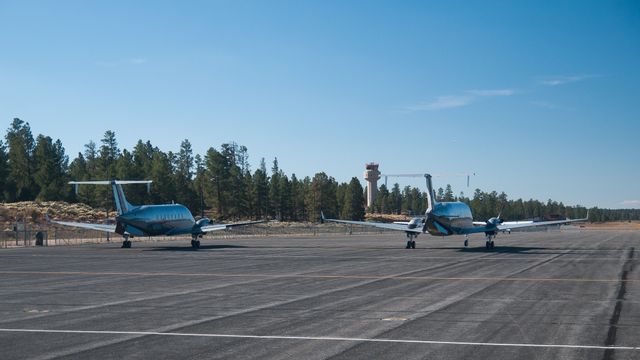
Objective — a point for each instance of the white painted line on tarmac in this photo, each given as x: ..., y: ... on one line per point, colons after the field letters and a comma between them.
x: 321, y: 338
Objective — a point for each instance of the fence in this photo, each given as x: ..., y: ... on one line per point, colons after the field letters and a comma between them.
x: 54, y: 236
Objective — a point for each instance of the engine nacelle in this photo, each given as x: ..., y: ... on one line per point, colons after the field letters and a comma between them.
x: 415, y: 222
x: 495, y: 221
x: 204, y: 222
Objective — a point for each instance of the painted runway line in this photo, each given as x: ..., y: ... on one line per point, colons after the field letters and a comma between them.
x: 320, y: 338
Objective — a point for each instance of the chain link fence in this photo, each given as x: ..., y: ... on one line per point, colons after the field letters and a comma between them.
x: 55, y: 236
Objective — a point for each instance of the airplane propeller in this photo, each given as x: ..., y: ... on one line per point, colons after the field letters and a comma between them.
x: 495, y: 221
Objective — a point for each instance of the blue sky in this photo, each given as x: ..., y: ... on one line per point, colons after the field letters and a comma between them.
x: 539, y: 99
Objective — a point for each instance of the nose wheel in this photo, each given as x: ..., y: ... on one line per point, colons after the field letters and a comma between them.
x: 126, y: 244
x: 195, y: 244
x: 489, y: 243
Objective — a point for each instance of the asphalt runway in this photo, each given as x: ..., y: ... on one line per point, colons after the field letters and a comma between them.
x: 539, y: 295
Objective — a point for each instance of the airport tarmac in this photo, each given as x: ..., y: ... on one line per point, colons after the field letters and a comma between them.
x: 537, y: 295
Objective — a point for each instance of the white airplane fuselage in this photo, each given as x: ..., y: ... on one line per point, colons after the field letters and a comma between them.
x: 153, y: 220
x: 449, y: 218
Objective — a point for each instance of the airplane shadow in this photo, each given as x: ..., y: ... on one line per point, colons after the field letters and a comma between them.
x: 506, y: 250
x: 189, y: 248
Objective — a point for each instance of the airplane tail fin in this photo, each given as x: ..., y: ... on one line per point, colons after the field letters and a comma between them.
x: 122, y: 205
x: 431, y: 198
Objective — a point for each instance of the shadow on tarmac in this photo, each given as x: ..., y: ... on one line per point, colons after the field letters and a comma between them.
x: 189, y: 248
x: 507, y: 250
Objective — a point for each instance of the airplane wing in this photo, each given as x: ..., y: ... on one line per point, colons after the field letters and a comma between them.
x: 98, y: 227
x: 389, y: 226
x: 216, y: 227
x: 507, y: 224
x: 524, y: 224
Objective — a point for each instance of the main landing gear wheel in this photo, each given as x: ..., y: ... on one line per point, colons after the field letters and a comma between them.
x: 411, y: 244
x: 195, y: 244
x: 126, y: 244
x: 489, y: 244
x: 466, y: 242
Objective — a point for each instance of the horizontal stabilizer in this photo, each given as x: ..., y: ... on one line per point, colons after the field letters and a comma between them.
x: 109, y: 182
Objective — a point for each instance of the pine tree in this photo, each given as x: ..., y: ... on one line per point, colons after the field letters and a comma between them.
x: 78, y: 172
x: 185, y: 192
x: 321, y: 197
x: 297, y: 199
x: 448, y: 194
x: 341, y: 197
x: 396, y: 199
x: 353, y: 208
x: 143, y: 157
x: 88, y: 193
x: 261, y: 191
x: 106, y: 168
x: 274, y: 191
x: 383, y: 201
x: 215, y: 185
x: 163, y: 189
x: 125, y: 169
x: 199, y: 183
x: 4, y: 170
x: 108, y: 155
x: 231, y: 180
x: 51, y: 168
x: 19, y: 184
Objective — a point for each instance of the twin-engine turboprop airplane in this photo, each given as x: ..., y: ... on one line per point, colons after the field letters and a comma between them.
x: 151, y: 220
x: 451, y: 218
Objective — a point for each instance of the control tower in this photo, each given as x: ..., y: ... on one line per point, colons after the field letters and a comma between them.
x: 371, y: 176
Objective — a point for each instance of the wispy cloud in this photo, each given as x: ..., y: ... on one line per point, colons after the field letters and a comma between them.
x: 498, y: 92
x: 565, y: 79
x: 442, y: 102
x: 630, y: 203
x: 454, y: 101
x: 549, y: 105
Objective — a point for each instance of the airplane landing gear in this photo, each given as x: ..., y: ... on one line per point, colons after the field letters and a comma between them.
x: 195, y: 244
x: 466, y: 240
x: 411, y: 243
x: 489, y: 243
x: 126, y: 244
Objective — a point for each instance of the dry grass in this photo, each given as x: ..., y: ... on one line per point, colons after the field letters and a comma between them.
x: 34, y: 212
x: 613, y: 225
x: 388, y: 218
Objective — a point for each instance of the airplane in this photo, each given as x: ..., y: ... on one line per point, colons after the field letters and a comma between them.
x: 150, y: 220
x: 451, y: 218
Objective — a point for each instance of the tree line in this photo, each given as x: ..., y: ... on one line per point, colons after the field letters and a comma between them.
x: 221, y: 183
